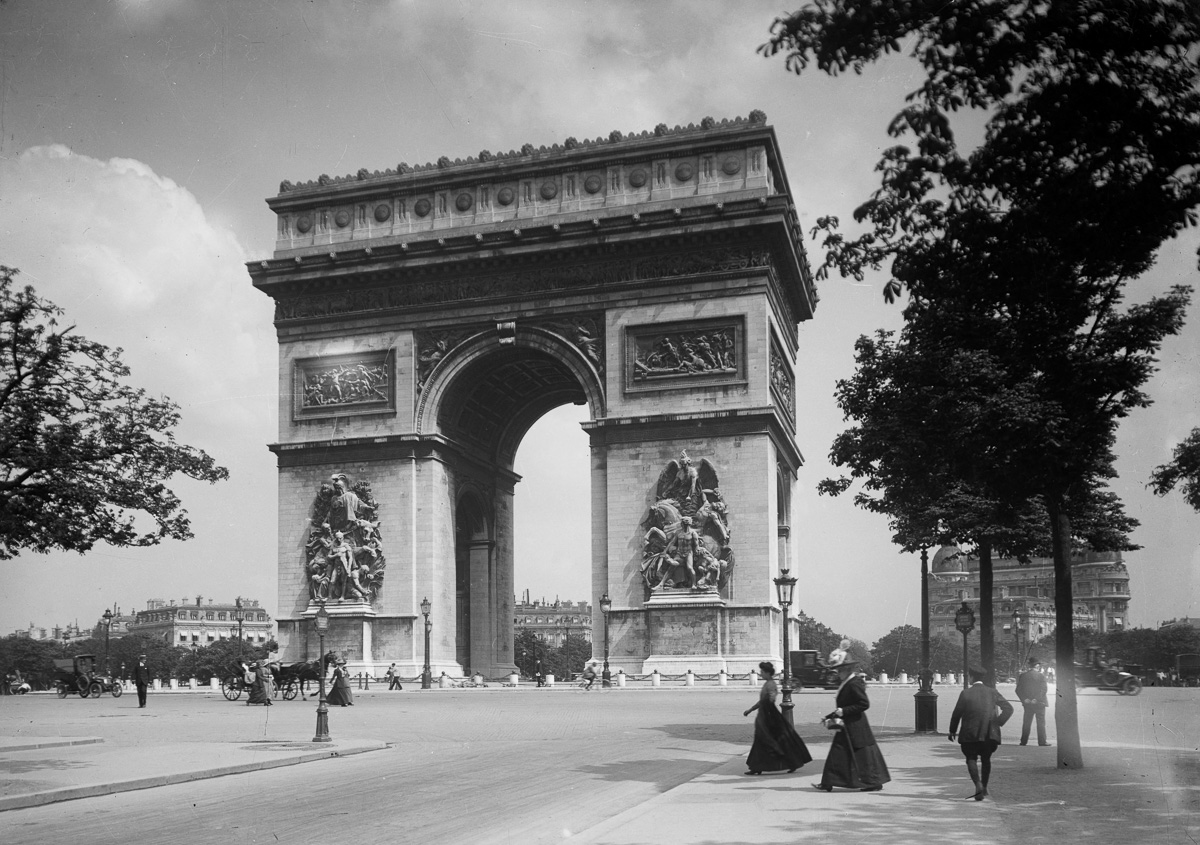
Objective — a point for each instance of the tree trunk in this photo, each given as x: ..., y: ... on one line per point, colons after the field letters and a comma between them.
x: 1066, y: 709
x: 987, y: 629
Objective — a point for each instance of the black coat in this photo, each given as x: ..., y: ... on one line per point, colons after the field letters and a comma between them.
x: 853, y: 701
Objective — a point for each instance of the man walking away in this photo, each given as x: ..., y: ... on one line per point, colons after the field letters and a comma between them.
x: 393, y: 678
x: 977, y: 711
x: 141, y: 677
x: 1031, y: 690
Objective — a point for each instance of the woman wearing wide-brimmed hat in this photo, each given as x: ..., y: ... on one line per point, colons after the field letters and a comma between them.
x: 854, y: 760
x: 339, y: 687
x: 777, y: 747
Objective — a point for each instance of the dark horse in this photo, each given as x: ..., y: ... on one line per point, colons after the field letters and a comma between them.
x: 284, y: 673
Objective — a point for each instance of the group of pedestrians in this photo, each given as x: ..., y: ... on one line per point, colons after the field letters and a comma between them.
x: 855, y: 761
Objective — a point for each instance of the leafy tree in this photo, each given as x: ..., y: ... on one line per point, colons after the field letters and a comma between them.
x: 34, y: 659
x: 858, y: 651
x: 82, y: 453
x: 528, y: 649
x: 899, y: 650
x: 906, y: 402
x: 217, y: 659
x: 1023, y: 246
x: 1183, y: 469
x: 812, y: 634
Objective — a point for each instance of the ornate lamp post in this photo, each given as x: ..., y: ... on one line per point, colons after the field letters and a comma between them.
x: 964, y: 621
x: 322, y: 620
x: 241, y: 615
x: 605, y: 607
x: 925, y: 698
x: 1017, y: 621
x: 426, y: 673
x: 784, y: 585
x: 108, y: 615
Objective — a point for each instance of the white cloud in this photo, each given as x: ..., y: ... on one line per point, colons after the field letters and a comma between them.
x: 134, y: 262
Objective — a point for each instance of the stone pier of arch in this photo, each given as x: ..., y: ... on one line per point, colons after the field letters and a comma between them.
x: 426, y: 317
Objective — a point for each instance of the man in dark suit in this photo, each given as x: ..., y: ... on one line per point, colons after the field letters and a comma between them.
x: 1031, y: 689
x: 981, y: 711
x: 141, y: 677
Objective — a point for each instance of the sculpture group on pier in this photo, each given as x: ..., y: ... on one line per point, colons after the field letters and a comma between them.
x: 343, y: 555
x: 686, y: 547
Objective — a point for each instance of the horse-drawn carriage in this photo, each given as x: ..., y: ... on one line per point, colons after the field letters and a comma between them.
x: 78, y: 675
x: 287, y: 679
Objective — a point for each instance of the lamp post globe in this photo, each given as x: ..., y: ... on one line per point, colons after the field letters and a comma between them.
x: 426, y: 672
x: 605, y: 607
x: 785, y: 584
x: 322, y: 623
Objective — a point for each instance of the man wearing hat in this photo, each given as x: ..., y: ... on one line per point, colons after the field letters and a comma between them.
x: 980, y: 735
x: 1031, y: 690
x: 141, y: 677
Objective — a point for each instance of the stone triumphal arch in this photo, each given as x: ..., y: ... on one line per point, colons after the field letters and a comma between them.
x: 428, y: 316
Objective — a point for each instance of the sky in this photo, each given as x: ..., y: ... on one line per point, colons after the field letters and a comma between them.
x: 140, y: 138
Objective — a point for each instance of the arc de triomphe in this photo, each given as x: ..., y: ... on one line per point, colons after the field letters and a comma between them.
x: 428, y: 316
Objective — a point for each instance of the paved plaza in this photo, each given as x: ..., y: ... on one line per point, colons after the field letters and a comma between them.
x: 608, y: 767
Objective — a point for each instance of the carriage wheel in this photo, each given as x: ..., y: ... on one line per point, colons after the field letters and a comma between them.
x: 1111, y: 677
x: 95, y: 689
x: 231, y: 688
x: 291, y: 689
x: 116, y: 689
x: 62, y: 690
x: 1132, y: 686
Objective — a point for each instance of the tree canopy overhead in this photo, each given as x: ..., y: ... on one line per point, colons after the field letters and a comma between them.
x: 84, y: 456
x: 1015, y: 254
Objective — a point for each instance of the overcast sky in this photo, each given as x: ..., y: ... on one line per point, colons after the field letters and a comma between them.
x: 138, y: 141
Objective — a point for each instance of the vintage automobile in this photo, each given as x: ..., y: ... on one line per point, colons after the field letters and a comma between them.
x: 78, y: 675
x: 1098, y: 672
x: 809, y: 670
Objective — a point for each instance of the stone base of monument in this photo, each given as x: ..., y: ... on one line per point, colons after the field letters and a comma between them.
x: 697, y: 631
x: 685, y: 598
x: 335, y: 607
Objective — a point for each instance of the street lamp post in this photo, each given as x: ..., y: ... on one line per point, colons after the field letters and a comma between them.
x: 784, y: 585
x: 426, y: 673
x: 925, y: 698
x: 1016, y: 626
x: 322, y: 620
x: 605, y: 607
x: 241, y: 615
x: 964, y: 621
x: 108, y: 615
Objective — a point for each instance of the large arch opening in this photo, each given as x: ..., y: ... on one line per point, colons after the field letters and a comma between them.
x: 552, y: 509
x: 487, y: 399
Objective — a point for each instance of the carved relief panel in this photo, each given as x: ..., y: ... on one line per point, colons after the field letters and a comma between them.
x: 341, y: 385
x: 684, y: 354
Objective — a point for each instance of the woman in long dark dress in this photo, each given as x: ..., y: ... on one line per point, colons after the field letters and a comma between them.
x: 260, y: 690
x: 854, y: 760
x: 339, y: 687
x: 776, y: 746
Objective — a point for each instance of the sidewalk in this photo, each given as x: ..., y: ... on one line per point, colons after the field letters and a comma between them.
x: 43, y: 770
x: 1128, y: 793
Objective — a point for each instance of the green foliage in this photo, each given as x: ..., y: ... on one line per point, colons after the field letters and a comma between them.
x: 82, y: 453
x: 34, y: 659
x: 1183, y: 469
